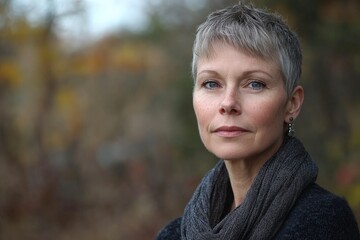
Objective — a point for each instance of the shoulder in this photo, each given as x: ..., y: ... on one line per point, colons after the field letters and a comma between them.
x: 170, y: 231
x: 319, y: 214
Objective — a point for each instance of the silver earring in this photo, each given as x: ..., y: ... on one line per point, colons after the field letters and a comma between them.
x: 291, y: 130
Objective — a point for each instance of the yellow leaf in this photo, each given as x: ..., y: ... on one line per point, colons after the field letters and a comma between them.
x: 10, y: 73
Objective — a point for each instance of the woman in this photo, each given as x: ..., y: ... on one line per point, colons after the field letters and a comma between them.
x: 246, y: 69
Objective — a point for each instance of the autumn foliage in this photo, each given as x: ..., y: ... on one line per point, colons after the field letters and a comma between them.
x: 98, y: 140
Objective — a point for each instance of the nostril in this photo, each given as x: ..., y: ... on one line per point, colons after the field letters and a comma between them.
x: 231, y: 109
x: 230, y: 104
x: 222, y: 110
x: 234, y: 111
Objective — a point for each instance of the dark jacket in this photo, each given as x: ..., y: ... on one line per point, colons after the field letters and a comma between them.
x: 317, y: 214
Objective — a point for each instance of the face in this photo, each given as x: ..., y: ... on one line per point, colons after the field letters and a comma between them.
x: 240, y: 104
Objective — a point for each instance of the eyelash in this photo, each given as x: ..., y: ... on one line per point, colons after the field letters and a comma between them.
x: 208, y: 82
x: 260, y: 85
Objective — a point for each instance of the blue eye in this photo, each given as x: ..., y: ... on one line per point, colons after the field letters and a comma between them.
x: 256, y: 85
x: 211, y: 84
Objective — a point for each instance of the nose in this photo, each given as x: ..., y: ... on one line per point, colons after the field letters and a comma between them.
x: 230, y: 104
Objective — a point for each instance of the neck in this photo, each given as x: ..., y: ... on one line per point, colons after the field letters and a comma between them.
x: 242, y: 172
x: 242, y: 175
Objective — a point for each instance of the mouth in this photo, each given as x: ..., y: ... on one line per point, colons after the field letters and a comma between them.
x: 230, y: 131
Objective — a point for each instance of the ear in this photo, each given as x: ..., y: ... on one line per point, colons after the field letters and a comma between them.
x: 294, y: 103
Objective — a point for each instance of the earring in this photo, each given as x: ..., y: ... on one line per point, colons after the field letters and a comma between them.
x: 291, y: 130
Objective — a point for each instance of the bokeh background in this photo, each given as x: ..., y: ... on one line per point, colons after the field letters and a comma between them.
x: 98, y: 138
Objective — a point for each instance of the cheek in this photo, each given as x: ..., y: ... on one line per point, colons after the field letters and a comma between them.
x: 199, y: 109
x: 268, y: 114
x: 203, y: 112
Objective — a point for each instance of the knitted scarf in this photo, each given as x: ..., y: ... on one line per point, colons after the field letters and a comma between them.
x: 270, y: 198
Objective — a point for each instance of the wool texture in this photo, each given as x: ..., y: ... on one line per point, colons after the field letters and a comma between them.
x: 316, y: 215
x: 268, y: 202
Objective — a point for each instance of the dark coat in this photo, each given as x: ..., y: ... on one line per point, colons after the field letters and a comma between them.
x: 316, y: 215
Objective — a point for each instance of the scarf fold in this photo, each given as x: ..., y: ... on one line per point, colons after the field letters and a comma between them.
x: 270, y: 198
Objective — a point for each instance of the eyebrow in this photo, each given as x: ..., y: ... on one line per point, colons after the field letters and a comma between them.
x: 209, y: 72
x: 246, y: 73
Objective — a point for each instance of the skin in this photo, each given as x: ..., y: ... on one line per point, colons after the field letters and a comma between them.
x: 242, y: 110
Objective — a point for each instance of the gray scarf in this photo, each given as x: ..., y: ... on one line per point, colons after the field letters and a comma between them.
x: 269, y: 200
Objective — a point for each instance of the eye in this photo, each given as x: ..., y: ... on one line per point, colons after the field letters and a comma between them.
x: 210, y: 84
x: 256, y: 85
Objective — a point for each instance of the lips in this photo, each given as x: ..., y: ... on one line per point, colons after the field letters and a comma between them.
x: 230, y: 131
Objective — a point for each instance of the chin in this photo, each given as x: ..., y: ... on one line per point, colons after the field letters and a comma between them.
x: 230, y: 157
x: 229, y: 154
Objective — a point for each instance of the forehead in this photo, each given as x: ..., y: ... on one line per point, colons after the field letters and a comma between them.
x: 255, y: 48
x: 222, y: 55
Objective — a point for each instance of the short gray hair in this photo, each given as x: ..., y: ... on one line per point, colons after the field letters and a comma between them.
x: 255, y: 31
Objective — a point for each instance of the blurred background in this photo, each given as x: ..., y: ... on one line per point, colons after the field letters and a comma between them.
x: 98, y: 138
